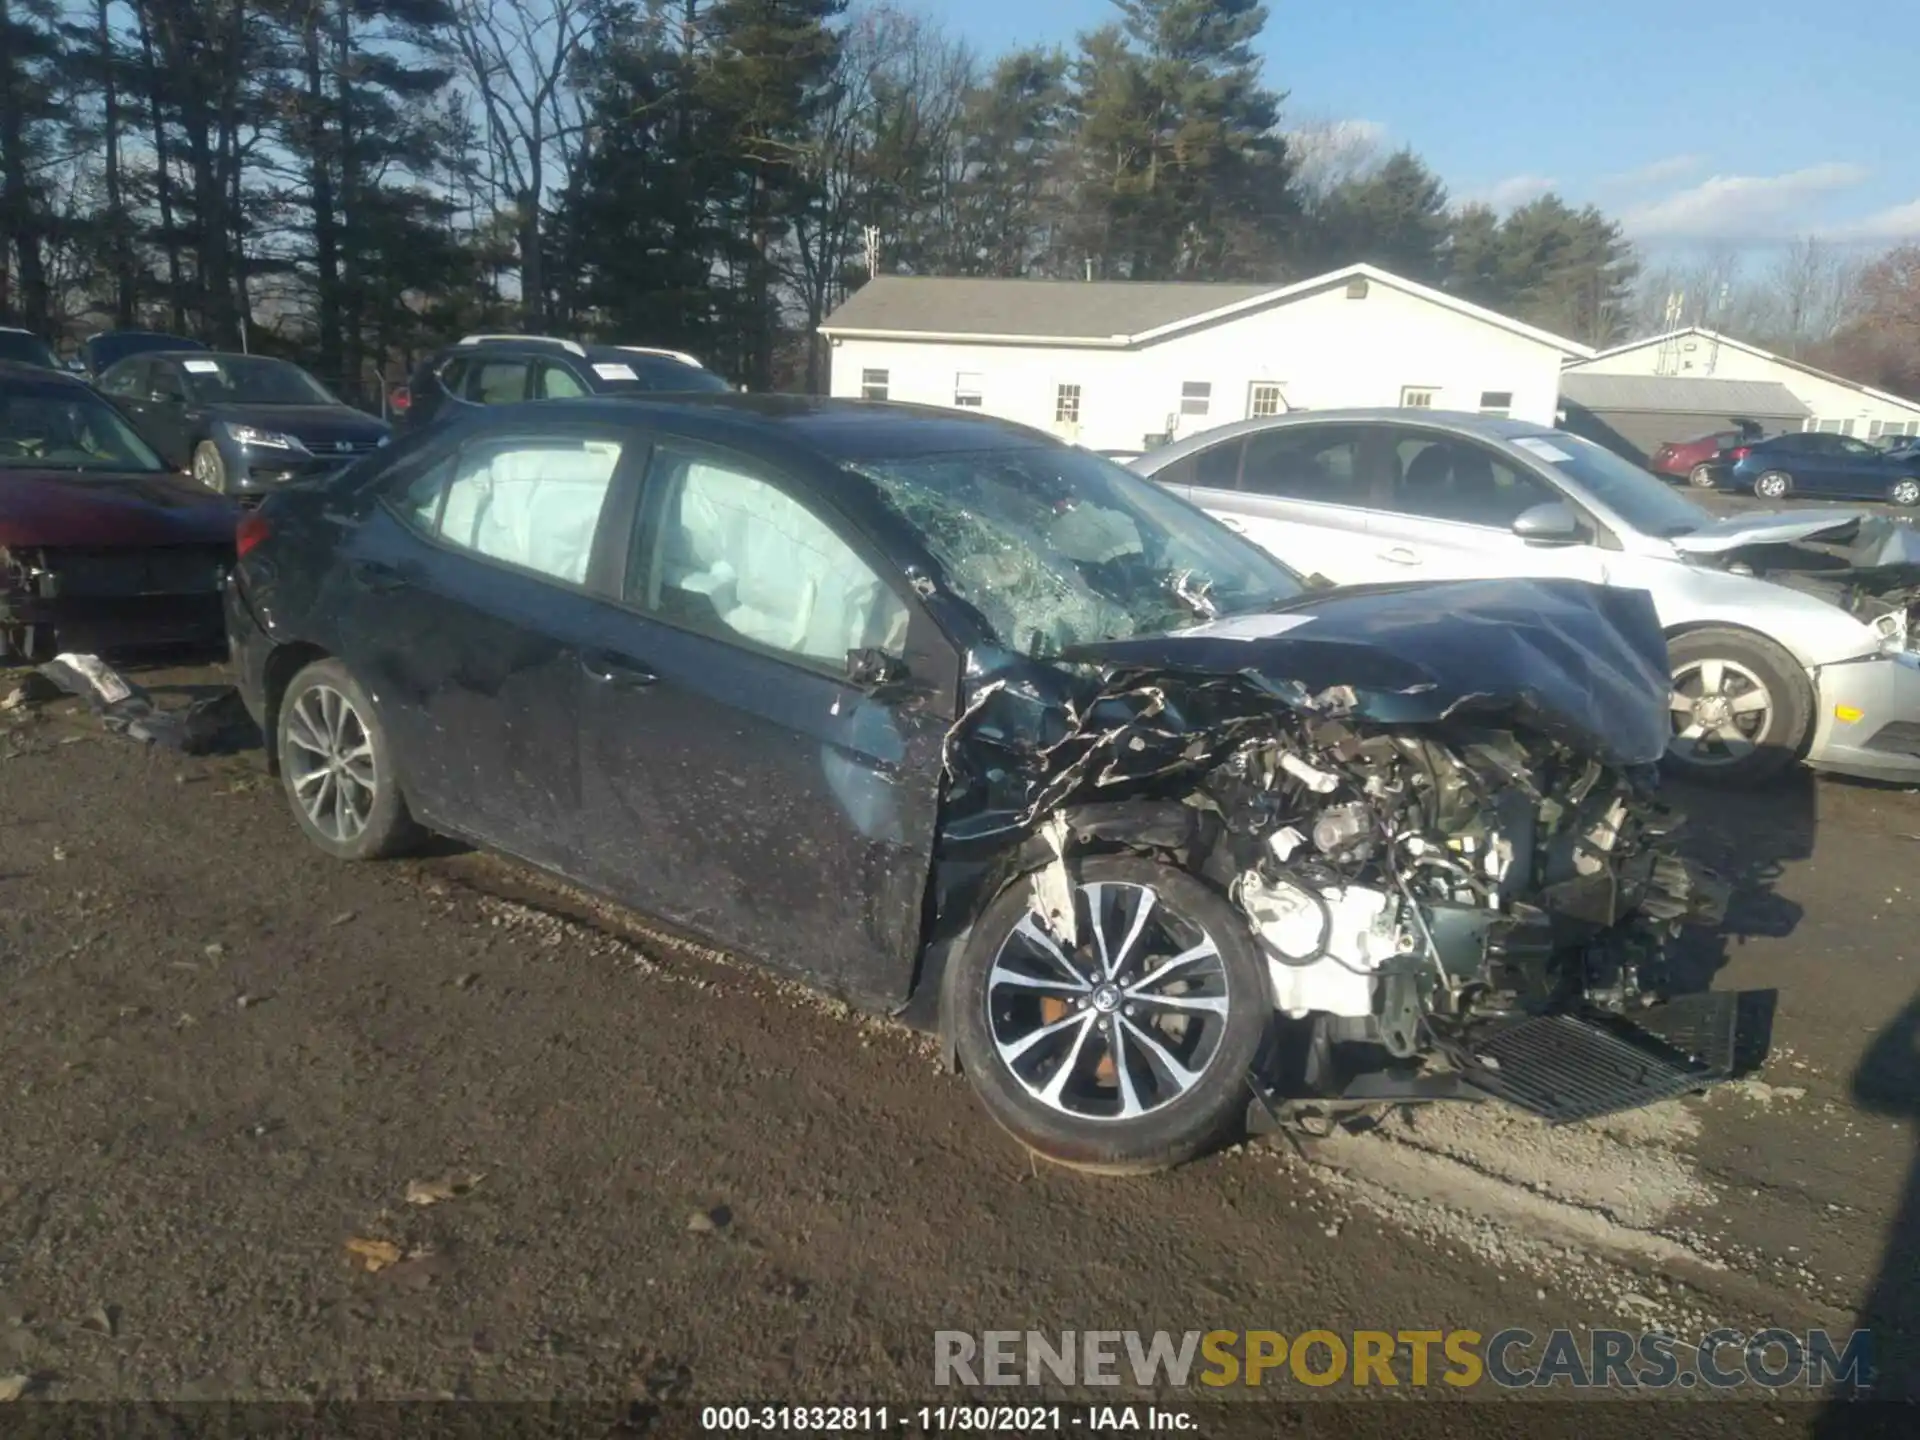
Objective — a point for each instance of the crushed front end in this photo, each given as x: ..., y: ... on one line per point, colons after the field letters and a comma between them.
x: 1435, y: 808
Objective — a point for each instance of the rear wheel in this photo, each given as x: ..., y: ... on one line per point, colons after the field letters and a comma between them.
x: 1128, y: 1051
x: 1774, y: 485
x: 210, y: 467
x: 1740, y: 706
x: 337, y: 768
x: 1701, y: 477
x: 1904, y: 491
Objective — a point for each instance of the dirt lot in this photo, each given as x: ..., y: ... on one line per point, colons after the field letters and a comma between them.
x: 225, y: 1061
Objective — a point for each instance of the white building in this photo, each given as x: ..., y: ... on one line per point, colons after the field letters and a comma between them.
x: 1116, y: 364
x: 1838, y: 406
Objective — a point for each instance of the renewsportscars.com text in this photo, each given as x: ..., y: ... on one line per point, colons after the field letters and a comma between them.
x: 1511, y: 1358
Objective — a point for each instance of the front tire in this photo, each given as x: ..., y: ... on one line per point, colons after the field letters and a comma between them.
x: 1701, y: 477
x: 1774, y: 485
x: 1741, y: 707
x: 1129, y: 1052
x: 337, y: 767
x: 210, y: 467
x: 1904, y: 492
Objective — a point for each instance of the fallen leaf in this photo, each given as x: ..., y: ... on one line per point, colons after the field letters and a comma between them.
x: 448, y: 1187
x: 375, y: 1255
x: 12, y: 1387
x: 342, y: 918
x: 100, y: 1320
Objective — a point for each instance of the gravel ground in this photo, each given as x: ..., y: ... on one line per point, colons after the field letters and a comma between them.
x: 277, y: 1128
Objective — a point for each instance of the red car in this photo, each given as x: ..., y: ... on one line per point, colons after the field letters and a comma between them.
x: 101, y: 546
x: 1701, y: 462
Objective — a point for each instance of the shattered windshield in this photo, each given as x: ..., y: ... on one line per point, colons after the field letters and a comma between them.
x: 1057, y: 547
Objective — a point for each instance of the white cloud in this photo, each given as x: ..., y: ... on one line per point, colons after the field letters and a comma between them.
x: 1514, y: 190
x: 1658, y: 172
x: 1743, y: 207
x: 1895, y: 224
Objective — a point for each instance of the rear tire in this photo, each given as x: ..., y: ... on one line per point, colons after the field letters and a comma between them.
x: 337, y: 767
x: 1741, y: 707
x: 1904, y: 492
x: 1155, y: 1055
x: 1774, y: 485
x: 1701, y: 477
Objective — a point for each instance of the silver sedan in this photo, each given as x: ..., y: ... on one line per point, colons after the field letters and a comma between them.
x: 1788, y: 630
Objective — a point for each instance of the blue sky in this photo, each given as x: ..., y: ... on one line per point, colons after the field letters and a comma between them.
x: 1697, y: 122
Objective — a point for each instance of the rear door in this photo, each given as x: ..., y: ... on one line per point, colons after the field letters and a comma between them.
x: 1302, y: 493
x: 469, y: 599
x: 1451, y: 512
x: 496, y: 380
x: 733, y: 780
x: 1866, y: 469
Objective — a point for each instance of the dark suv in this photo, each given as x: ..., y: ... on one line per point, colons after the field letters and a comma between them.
x: 505, y: 369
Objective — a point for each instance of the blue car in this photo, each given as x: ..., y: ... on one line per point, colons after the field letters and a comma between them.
x: 1815, y: 463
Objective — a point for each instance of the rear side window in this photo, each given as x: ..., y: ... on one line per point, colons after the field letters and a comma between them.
x: 1302, y: 464
x: 531, y: 503
x: 556, y: 382
x: 1215, y: 468
x: 728, y: 553
x: 498, y: 382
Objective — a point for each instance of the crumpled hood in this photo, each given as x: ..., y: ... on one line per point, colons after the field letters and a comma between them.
x: 1585, y: 664
x: 1777, y: 527
x: 58, y: 509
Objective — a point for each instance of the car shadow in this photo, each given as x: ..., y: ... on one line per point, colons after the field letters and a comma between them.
x: 1887, y: 1083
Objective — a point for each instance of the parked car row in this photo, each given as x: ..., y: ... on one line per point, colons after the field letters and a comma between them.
x: 1813, y: 463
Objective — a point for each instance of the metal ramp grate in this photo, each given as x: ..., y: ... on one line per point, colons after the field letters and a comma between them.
x: 1565, y: 1068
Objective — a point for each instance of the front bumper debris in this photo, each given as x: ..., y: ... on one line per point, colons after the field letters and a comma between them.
x: 1867, y: 718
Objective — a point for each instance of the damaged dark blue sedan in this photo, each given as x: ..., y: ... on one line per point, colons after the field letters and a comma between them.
x: 976, y: 728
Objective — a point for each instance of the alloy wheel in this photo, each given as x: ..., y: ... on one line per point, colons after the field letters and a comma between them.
x: 1701, y: 477
x: 1905, y: 492
x: 206, y: 468
x: 331, y: 762
x: 1720, y: 710
x: 1120, y: 1025
x: 1771, y: 487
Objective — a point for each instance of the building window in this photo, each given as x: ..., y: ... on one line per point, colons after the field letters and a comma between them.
x: 1496, y: 402
x: 1417, y: 397
x: 1263, y: 398
x: 873, y: 384
x: 1846, y: 427
x: 1066, y: 405
x: 1196, y: 396
x: 967, y: 390
x: 1829, y: 427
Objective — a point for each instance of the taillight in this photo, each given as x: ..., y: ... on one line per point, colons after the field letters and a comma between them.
x: 252, y: 529
x: 1739, y: 453
x: 400, y: 399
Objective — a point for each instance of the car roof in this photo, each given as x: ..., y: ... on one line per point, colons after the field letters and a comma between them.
x: 1454, y: 422
x: 549, y: 345
x: 836, y: 430
x: 17, y: 372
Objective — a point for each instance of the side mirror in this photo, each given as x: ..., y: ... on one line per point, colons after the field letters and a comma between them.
x: 874, y: 670
x: 1552, y: 523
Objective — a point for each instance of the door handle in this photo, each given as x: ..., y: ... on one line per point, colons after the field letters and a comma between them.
x: 377, y: 577
x: 611, y: 669
x: 1400, y: 555
x: 1232, y: 524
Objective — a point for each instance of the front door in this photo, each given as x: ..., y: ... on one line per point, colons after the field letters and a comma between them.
x: 1450, y: 514
x: 734, y: 780
x: 468, y: 605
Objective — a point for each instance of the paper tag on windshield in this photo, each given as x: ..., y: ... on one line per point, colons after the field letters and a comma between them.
x: 1246, y: 627
x: 202, y: 367
x: 1545, y: 449
x: 615, y: 371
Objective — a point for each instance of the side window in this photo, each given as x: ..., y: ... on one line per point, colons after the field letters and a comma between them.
x: 1215, y: 468
x: 529, y: 502
x: 1315, y: 464
x: 1459, y: 481
x: 453, y: 376
x: 727, y: 553
x: 556, y: 382
x: 1857, y: 448
x: 497, y: 382
x: 163, y: 381
x: 128, y: 380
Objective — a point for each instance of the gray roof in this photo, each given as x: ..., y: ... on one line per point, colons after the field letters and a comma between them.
x: 1682, y: 395
x: 1067, y: 309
